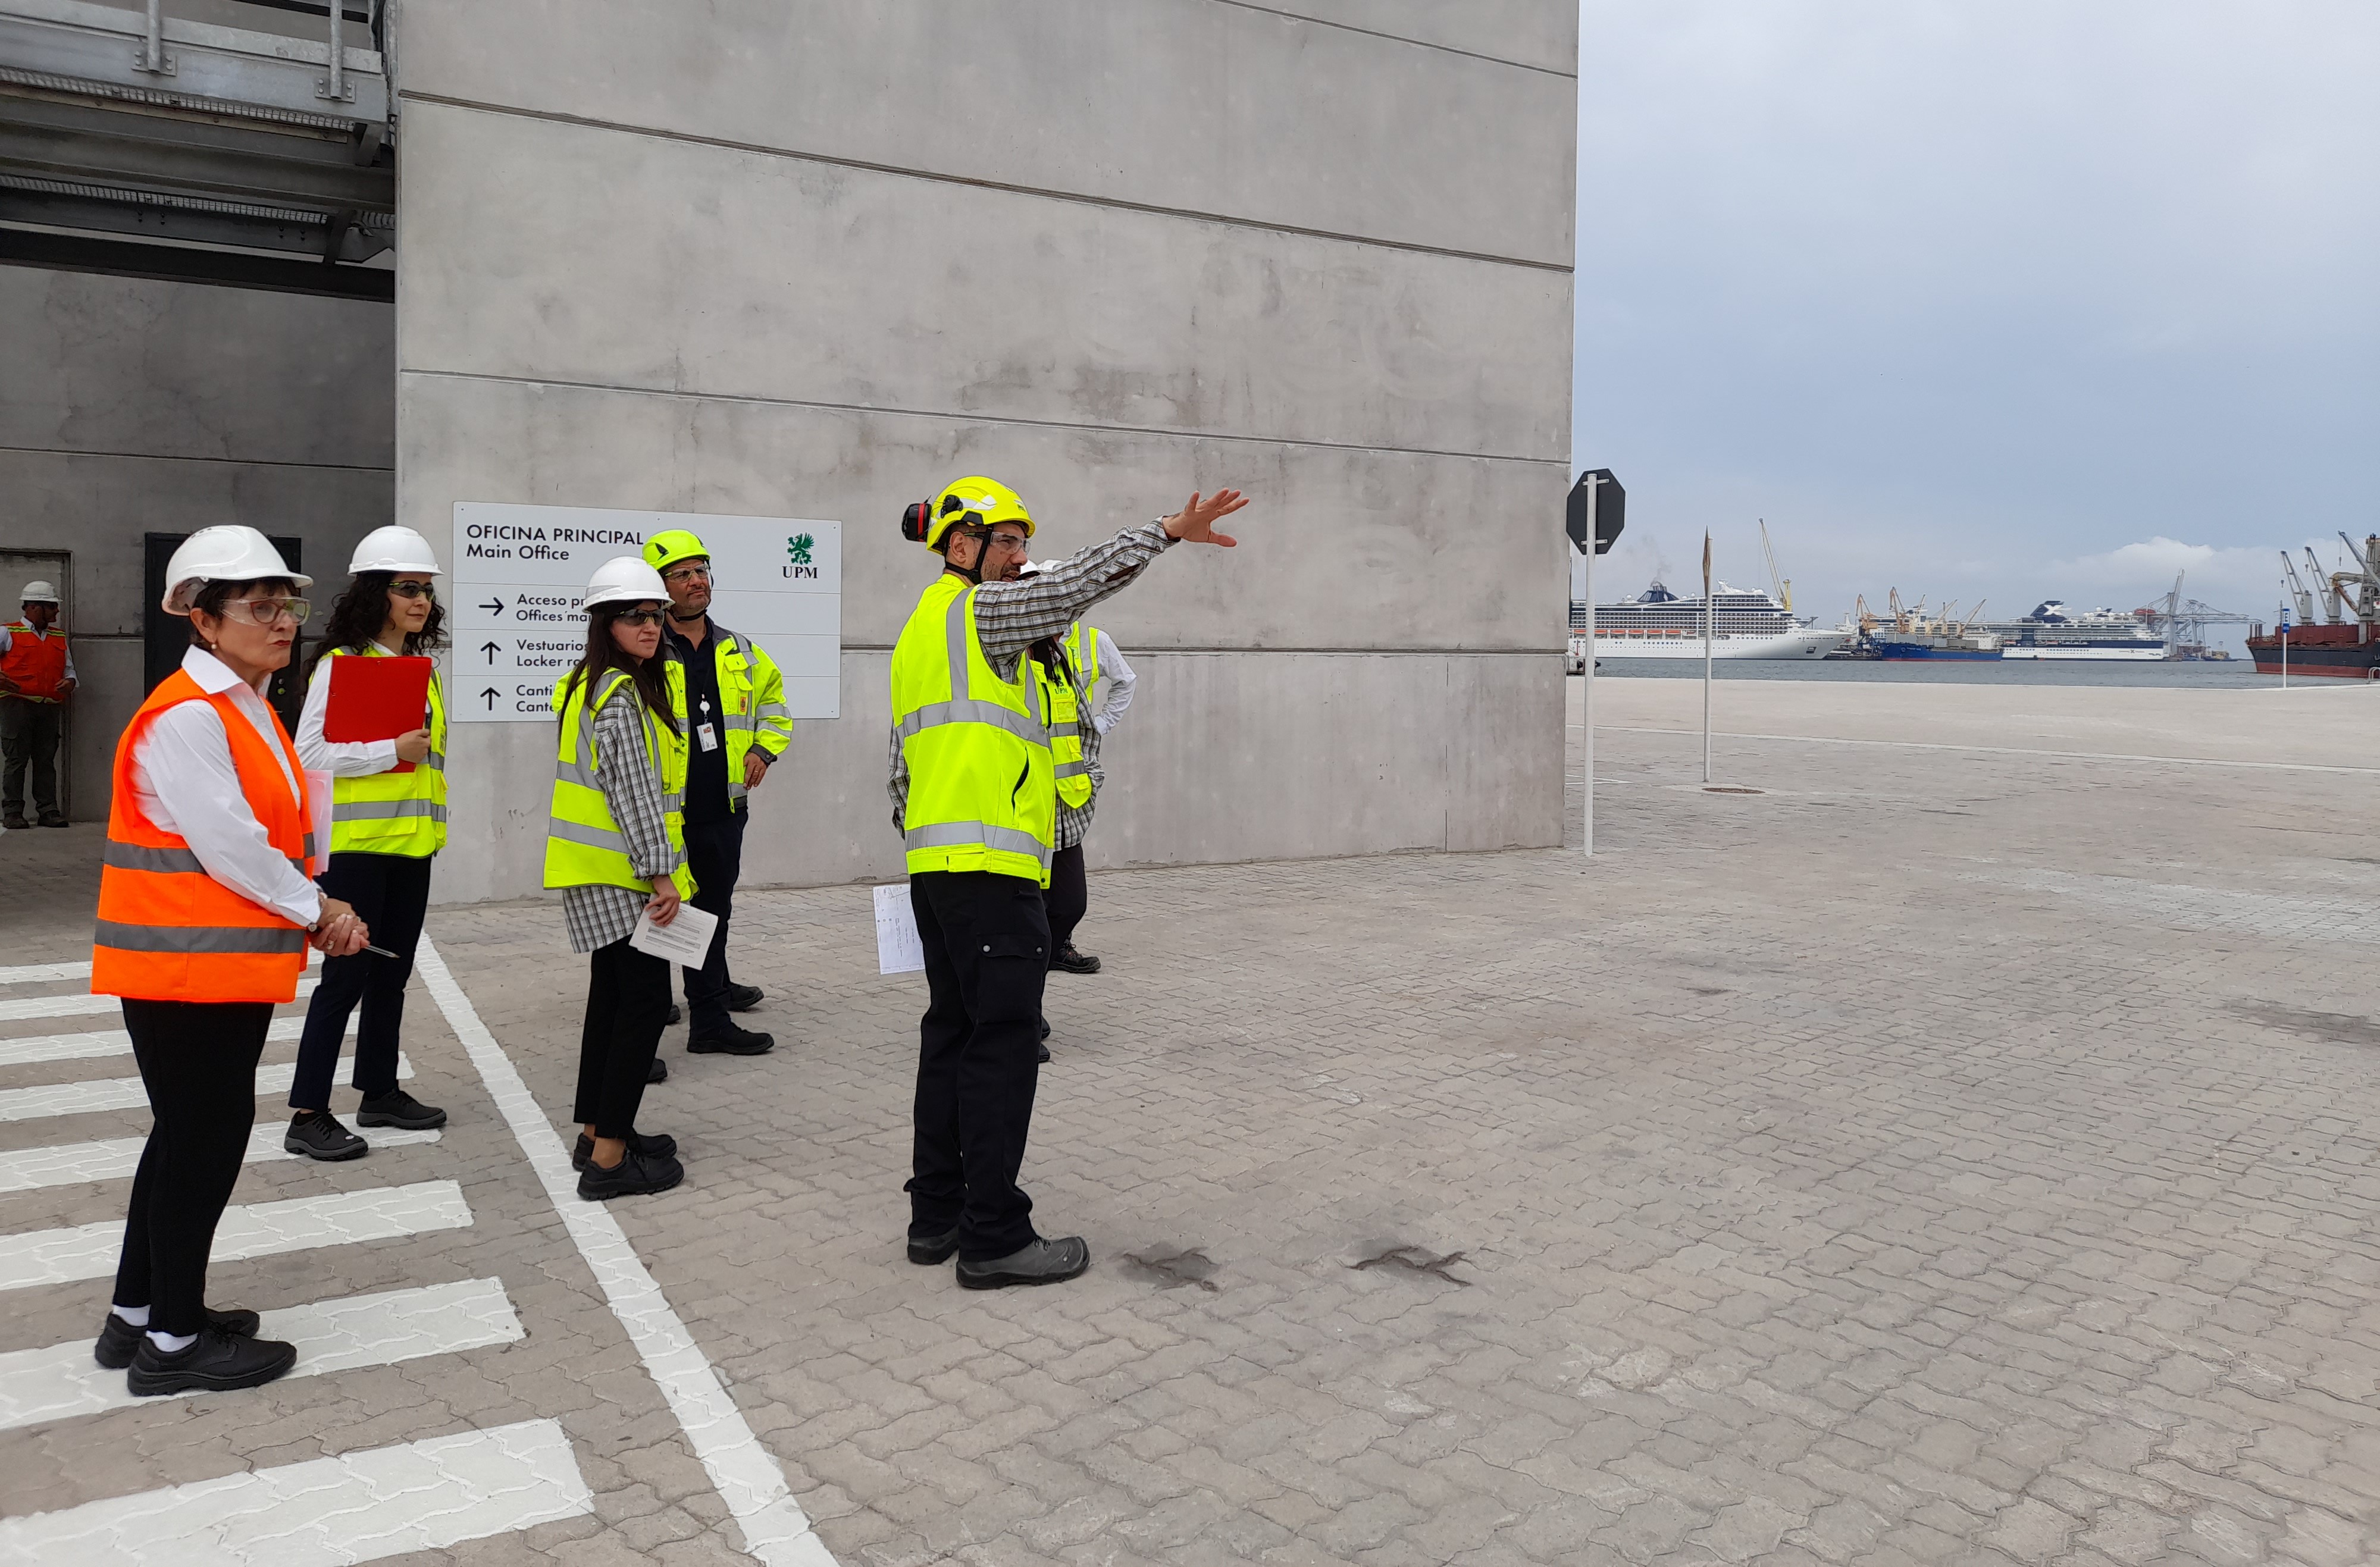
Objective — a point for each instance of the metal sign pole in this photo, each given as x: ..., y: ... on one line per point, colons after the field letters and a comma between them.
x: 1586, y: 694
x: 1708, y: 627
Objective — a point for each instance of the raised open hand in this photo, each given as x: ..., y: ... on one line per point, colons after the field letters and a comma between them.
x: 1194, y: 523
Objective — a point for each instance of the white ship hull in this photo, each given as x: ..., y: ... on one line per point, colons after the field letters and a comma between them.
x: 2147, y: 652
x: 1813, y: 644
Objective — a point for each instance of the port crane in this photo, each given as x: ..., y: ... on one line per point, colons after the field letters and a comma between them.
x: 2298, y: 589
x: 1778, y: 579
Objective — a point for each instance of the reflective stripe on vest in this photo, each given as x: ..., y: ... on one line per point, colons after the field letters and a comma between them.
x: 395, y: 813
x: 34, y: 663
x: 982, y: 793
x: 583, y: 845
x: 1065, y: 701
x: 166, y: 929
x: 751, y: 689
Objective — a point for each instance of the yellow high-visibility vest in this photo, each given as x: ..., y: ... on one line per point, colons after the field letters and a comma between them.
x: 584, y: 845
x: 752, y: 690
x: 981, y: 793
x: 1063, y: 702
x: 394, y: 812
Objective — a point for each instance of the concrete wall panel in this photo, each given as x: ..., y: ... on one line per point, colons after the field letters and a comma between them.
x: 1341, y: 549
x: 1240, y: 111
x: 776, y: 278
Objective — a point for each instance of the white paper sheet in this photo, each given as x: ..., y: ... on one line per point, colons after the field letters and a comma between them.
x: 685, y: 941
x: 898, y: 949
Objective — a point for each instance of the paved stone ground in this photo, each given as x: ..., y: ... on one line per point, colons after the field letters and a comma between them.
x: 1934, y: 1158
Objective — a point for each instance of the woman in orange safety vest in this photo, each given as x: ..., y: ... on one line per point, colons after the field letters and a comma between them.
x: 206, y: 905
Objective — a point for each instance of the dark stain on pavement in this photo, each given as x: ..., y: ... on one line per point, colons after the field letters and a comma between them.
x: 2326, y: 1027
x: 1413, y: 1259
x: 1193, y: 1266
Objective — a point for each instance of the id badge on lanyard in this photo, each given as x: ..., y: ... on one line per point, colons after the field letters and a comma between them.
x: 703, y: 732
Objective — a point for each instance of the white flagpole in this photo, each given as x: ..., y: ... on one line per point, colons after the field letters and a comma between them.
x: 1707, y: 614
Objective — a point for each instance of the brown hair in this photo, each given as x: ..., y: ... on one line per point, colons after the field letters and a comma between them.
x: 602, y: 653
x: 213, y: 596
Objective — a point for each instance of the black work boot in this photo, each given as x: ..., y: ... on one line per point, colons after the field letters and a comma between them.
x: 1038, y: 1262
x: 216, y: 1362
x: 658, y: 1072
x: 660, y: 1145
x: 396, y: 1108
x: 1066, y: 960
x: 927, y: 1250
x: 119, y: 1341
x: 729, y: 1038
x: 744, y: 998
x: 317, y: 1135
x: 635, y: 1175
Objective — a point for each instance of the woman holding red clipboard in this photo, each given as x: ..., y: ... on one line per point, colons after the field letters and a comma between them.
x: 388, y: 818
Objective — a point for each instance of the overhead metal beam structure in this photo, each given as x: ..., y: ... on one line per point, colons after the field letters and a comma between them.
x: 139, y: 143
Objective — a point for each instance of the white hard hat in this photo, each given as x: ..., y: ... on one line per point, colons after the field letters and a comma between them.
x: 624, y: 579
x: 38, y: 593
x: 227, y: 553
x: 394, y: 549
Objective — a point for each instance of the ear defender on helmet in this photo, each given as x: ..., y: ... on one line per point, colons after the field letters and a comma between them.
x: 917, y: 518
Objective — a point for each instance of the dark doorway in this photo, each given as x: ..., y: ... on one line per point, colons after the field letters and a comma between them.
x: 166, y: 637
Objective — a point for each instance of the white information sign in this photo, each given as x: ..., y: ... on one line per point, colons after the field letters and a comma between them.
x: 520, y: 573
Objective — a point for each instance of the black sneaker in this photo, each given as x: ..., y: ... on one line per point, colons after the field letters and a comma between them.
x: 743, y: 997
x: 215, y: 1363
x: 119, y: 1341
x: 396, y: 1108
x: 1066, y: 960
x: 320, y: 1135
x: 927, y: 1250
x: 635, y: 1175
x: 1040, y: 1262
x: 729, y: 1038
x: 658, y: 1072
x: 660, y: 1145
x: 676, y: 1017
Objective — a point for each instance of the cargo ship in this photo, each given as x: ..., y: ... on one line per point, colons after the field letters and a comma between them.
x: 2345, y: 644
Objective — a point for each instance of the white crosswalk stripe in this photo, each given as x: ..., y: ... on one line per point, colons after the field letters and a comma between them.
x: 115, y: 1158
x: 19, y: 1007
x: 92, y: 1043
x: 40, y: 973
x: 90, y: 1251
x: 359, y: 1507
x: 94, y: 1094
x: 335, y: 1335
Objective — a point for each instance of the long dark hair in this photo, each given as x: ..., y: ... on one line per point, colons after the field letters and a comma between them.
x: 360, y: 612
x: 603, y: 654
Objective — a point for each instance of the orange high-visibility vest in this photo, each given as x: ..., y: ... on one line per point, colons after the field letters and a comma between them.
x: 35, y: 664
x: 167, y: 930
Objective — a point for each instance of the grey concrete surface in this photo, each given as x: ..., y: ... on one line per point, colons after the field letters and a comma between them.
x: 129, y: 406
x: 1210, y: 244
x: 1936, y: 1158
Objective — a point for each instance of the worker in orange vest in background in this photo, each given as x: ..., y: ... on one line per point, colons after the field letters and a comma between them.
x: 206, y: 903
x: 36, y: 675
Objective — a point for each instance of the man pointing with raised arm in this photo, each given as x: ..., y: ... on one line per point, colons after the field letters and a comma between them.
x: 976, y: 801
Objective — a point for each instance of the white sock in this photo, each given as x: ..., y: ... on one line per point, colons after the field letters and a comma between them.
x: 136, y: 1315
x: 172, y: 1343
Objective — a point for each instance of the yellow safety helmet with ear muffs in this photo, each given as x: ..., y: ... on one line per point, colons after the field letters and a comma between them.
x: 972, y: 502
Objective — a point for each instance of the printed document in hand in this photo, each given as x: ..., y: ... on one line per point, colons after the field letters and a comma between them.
x: 685, y: 941
x: 898, y: 948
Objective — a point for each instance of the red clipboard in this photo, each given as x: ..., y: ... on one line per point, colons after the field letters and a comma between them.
x: 377, y: 699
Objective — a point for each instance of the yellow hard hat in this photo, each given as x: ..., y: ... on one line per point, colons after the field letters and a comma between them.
x: 975, y: 501
x: 667, y: 548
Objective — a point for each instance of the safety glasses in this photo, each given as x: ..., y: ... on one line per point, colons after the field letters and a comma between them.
x: 265, y: 612
x: 415, y: 589
x: 686, y: 573
x: 640, y: 617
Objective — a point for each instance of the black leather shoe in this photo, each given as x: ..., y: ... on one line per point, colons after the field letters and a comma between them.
x: 676, y: 1017
x: 743, y: 997
x: 634, y: 1176
x: 927, y: 1250
x: 730, y: 1039
x: 15, y: 824
x: 660, y: 1145
x: 1045, y: 1028
x: 119, y: 1341
x: 320, y: 1135
x: 215, y: 1363
x: 658, y: 1072
x: 1066, y: 960
x: 396, y: 1108
x: 1041, y: 1054
x: 1042, y: 1262
x: 53, y: 821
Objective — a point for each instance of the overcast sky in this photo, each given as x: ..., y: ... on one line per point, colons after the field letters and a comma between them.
x: 2027, y: 300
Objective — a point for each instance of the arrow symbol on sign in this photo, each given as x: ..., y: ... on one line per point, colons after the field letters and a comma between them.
x: 490, y: 649
x: 495, y: 604
x: 491, y: 694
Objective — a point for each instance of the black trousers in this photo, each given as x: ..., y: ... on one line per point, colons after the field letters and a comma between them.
x: 197, y: 1060
x: 28, y: 744
x: 987, y: 941
x: 390, y: 893
x: 714, y: 851
x: 1068, y: 897
x: 627, y: 1005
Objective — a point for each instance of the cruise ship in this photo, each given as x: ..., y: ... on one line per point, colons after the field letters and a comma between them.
x: 2053, y: 631
x: 1658, y: 623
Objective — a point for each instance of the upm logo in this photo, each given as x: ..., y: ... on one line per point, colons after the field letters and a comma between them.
x: 798, y: 553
